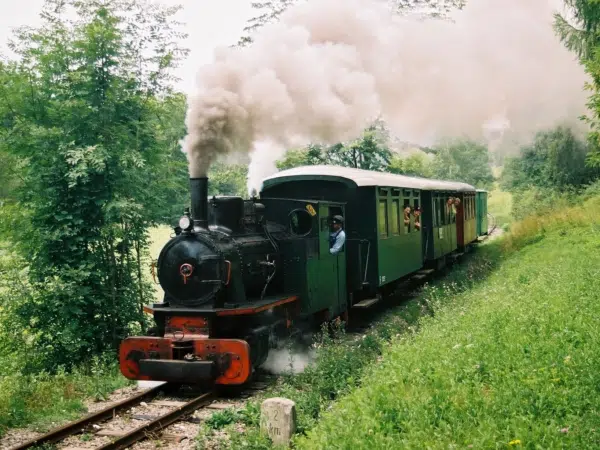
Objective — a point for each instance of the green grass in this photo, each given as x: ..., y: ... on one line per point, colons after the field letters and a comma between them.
x: 340, y: 365
x: 513, y: 362
x: 500, y: 206
x: 42, y: 401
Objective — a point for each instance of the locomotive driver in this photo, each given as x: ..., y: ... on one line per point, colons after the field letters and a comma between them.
x: 337, y: 237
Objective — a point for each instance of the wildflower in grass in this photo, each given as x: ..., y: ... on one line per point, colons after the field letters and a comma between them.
x: 515, y: 442
x: 564, y: 430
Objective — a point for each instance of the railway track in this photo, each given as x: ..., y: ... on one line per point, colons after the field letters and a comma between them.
x: 110, y: 428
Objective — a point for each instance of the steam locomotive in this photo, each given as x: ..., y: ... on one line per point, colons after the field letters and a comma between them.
x: 238, y: 273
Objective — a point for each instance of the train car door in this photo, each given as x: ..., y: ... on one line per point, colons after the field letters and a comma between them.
x: 332, y: 274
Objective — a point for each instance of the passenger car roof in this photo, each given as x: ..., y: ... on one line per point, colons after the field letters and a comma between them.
x: 361, y: 178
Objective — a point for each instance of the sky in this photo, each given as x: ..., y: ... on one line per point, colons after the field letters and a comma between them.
x: 209, y: 24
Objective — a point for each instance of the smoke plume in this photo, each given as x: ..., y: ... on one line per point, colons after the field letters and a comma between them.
x: 284, y: 361
x: 330, y: 67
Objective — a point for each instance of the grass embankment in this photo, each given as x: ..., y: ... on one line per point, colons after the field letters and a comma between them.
x: 512, y: 362
x: 42, y: 401
x: 339, y: 366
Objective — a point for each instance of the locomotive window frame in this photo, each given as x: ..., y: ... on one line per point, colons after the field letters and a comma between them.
x: 299, y: 212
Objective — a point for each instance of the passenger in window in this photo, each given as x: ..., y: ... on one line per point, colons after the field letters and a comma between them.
x: 337, y: 238
x: 406, y: 218
x: 418, y: 218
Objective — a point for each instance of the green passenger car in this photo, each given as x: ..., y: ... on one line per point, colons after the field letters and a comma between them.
x: 383, y: 244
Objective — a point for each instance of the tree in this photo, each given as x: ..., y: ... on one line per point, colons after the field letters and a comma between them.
x: 87, y: 113
x: 310, y: 156
x: 368, y: 153
x: 465, y: 161
x: 270, y: 11
x: 228, y: 180
x: 555, y: 160
x: 417, y: 164
x: 581, y: 35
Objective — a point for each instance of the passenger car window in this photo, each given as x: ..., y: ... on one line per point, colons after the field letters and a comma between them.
x: 417, y: 215
x: 383, y: 218
x: 406, y: 216
x: 396, y: 217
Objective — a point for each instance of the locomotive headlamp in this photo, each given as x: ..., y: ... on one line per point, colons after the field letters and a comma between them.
x: 185, y: 223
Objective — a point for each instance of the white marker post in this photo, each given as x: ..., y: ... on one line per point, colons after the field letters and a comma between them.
x: 278, y: 419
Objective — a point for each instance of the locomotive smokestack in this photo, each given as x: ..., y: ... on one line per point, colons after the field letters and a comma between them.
x: 199, y: 194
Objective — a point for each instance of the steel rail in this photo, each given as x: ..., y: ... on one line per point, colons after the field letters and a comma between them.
x: 78, y: 426
x: 158, y: 424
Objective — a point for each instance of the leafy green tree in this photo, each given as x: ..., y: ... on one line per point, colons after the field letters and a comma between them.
x: 369, y: 153
x: 311, y: 156
x: 463, y: 160
x: 167, y: 174
x: 581, y: 34
x: 555, y: 160
x: 416, y: 164
x: 86, y: 112
x: 228, y: 180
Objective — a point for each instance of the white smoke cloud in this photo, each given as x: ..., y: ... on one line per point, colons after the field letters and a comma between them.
x: 262, y: 163
x: 329, y: 67
x: 283, y: 361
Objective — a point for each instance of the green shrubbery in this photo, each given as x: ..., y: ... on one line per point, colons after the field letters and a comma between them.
x: 549, y: 174
x: 30, y: 395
